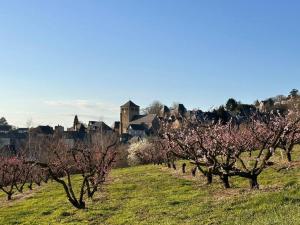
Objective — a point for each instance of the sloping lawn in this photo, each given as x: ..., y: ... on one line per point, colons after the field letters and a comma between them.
x: 157, y: 195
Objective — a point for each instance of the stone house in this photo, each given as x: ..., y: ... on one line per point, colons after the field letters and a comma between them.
x: 133, y: 124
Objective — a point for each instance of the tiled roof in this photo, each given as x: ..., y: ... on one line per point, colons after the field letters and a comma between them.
x: 5, y: 127
x: 44, y: 129
x: 99, y: 124
x: 129, y: 104
x: 146, y: 119
x: 137, y: 127
x: 165, y: 109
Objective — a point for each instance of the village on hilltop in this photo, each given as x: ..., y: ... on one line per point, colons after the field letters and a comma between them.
x: 135, y: 126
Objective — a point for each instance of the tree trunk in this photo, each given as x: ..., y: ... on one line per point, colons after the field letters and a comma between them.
x: 81, y: 205
x: 194, y: 170
x: 91, y: 190
x: 183, y: 167
x: 9, y: 195
x: 174, y: 166
x: 69, y: 191
x: 289, y: 156
x: 225, y: 180
x: 20, y: 189
x: 169, y: 165
x: 253, y: 182
x: 30, y: 186
x: 209, y: 177
x: 76, y: 204
x: 91, y: 194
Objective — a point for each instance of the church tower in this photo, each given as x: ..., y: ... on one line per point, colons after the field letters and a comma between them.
x: 75, y: 123
x: 128, y: 111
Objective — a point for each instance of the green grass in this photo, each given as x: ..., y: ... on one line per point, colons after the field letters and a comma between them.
x: 157, y: 195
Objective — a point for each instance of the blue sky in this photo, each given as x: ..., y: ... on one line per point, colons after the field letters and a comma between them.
x: 59, y: 58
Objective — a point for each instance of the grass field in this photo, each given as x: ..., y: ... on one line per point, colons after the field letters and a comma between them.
x: 157, y: 195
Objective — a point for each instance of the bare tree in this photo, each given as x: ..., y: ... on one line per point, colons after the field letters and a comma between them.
x: 92, y: 161
x: 10, y: 174
x: 292, y: 134
x: 220, y: 149
x: 154, y: 108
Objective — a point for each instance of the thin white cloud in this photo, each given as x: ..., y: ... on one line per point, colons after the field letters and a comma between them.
x: 53, y: 112
x: 83, y: 104
x: 85, y: 109
x: 74, y: 104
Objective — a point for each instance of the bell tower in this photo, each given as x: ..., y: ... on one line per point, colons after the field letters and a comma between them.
x: 128, y: 111
x: 75, y: 123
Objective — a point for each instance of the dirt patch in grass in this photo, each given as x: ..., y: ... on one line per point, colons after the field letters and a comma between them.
x: 230, y: 193
x: 217, y: 192
x: 18, y: 197
x: 287, y: 166
x: 188, y: 175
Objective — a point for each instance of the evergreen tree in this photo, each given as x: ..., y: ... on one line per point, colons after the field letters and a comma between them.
x: 294, y: 93
x: 231, y: 104
x: 3, y: 121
